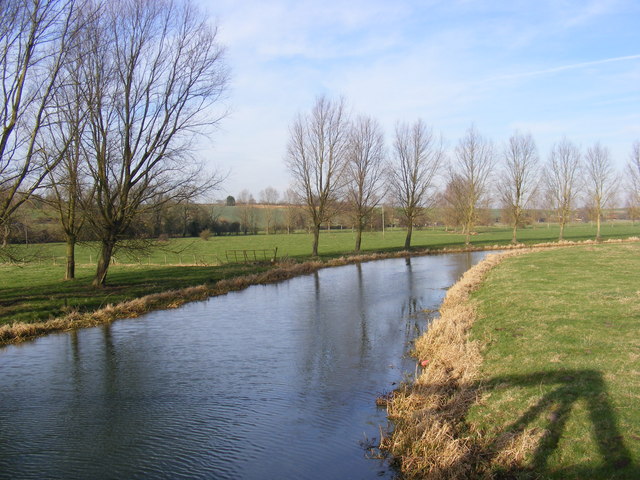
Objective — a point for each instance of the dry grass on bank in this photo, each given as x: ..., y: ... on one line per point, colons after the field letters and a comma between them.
x: 429, y: 438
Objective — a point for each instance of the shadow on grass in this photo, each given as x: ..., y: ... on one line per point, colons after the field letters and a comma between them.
x: 568, y: 387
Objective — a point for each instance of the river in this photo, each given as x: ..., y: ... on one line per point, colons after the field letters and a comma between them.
x: 272, y: 382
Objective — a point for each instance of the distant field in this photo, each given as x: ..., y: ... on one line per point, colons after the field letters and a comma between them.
x: 194, y: 251
x: 35, y: 291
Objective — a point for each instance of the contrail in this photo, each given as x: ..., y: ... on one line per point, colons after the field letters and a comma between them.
x: 566, y: 67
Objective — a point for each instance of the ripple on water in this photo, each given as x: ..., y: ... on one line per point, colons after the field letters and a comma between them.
x: 275, y: 381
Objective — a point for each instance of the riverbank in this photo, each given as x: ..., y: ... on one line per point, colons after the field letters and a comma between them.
x: 77, y: 309
x: 33, y: 291
x: 530, y: 372
x: 246, y: 275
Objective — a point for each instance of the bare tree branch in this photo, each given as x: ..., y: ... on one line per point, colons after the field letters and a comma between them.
x: 316, y: 157
x: 562, y: 176
x: 475, y: 160
x: 155, y: 78
x: 364, y: 171
x: 601, y: 181
x: 520, y: 177
x: 35, y: 36
x: 418, y: 157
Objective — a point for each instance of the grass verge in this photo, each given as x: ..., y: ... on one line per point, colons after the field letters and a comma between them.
x: 531, y: 372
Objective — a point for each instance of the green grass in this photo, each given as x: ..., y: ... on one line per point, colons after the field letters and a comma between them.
x: 562, y: 360
x: 332, y: 244
x: 35, y: 291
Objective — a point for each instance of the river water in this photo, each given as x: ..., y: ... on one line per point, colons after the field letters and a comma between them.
x: 272, y: 382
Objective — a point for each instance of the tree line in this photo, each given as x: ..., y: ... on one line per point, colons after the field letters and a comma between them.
x: 336, y: 160
x: 101, y: 100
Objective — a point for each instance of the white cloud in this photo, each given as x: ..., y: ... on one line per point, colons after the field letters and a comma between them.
x: 547, y: 67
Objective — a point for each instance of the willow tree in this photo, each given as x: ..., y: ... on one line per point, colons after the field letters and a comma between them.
x: 34, y: 40
x: 633, y: 178
x: 269, y: 198
x: 316, y: 157
x: 475, y: 160
x: 364, y: 171
x: 69, y: 188
x: 417, y: 158
x: 154, y: 78
x: 520, y: 177
x: 562, y: 177
x: 601, y: 181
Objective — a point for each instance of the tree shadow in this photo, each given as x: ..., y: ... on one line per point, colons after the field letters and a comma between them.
x: 568, y: 387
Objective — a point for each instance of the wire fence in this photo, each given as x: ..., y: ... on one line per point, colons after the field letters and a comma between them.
x: 155, y: 259
x: 169, y: 259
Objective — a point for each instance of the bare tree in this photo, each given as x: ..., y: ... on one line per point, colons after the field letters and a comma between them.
x: 154, y: 75
x: 294, y: 218
x: 364, y: 172
x: 269, y: 197
x: 452, y: 201
x: 247, y: 212
x: 316, y: 158
x: 475, y: 160
x: 245, y: 197
x: 520, y: 178
x: 633, y: 175
x: 418, y: 156
x: 34, y: 39
x: 69, y: 186
x: 561, y: 178
x: 601, y: 181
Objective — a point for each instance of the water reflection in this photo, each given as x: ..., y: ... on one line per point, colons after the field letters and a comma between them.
x: 275, y: 381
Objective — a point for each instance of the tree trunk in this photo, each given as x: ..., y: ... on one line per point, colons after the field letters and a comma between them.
x: 5, y: 236
x: 106, y: 251
x: 514, y: 238
x: 407, y: 241
x: 358, y: 238
x: 561, y: 237
x: 70, y: 274
x: 598, y: 228
x: 316, y: 240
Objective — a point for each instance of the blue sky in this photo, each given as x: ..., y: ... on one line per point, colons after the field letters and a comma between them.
x: 550, y: 68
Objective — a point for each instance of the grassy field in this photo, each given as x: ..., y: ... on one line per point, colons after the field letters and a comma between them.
x: 561, y: 363
x: 530, y: 372
x: 35, y: 291
x: 193, y: 251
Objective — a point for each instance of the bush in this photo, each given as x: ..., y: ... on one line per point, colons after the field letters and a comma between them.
x: 205, y: 234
